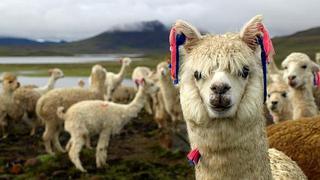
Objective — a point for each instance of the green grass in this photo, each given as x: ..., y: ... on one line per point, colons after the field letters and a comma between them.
x: 150, y: 61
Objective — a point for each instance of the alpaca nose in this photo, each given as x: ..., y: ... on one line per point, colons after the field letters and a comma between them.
x: 291, y: 77
x: 220, y: 88
x: 274, y: 102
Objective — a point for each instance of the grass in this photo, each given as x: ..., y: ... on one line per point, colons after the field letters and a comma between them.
x: 150, y: 61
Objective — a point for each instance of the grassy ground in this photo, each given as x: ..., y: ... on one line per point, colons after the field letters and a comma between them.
x: 136, y: 153
x: 82, y: 69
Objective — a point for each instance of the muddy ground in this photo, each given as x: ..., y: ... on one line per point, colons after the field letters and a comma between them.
x: 138, y: 152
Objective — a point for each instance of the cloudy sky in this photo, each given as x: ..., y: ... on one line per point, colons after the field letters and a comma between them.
x: 78, y: 19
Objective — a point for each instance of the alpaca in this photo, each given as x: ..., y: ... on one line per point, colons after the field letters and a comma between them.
x: 47, y: 105
x: 298, y: 74
x: 25, y: 99
x: 221, y: 98
x: 114, y: 80
x: 8, y: 112
x: 170, y: 93
x: 123, y: 94
x: 144, y: 72
x: 100, y: 117
x: 299, y: 140
x: 160, y: 113
x: 278, y: 101
x: 81, y: 83
x: 55, y: 74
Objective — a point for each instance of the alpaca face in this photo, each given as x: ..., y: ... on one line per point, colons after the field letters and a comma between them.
x: 10, y: 83
x: 126, y: 61
x: 57, y: 73
x: 298, y: 70
x: 277, y: 98
x: 221, y: 90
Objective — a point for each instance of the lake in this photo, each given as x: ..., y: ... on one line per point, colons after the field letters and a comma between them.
x: 64, y: 82
x: 83, y: 58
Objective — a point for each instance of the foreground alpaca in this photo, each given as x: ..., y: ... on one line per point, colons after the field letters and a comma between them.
x: 55, y: 74
x: 278, y: 101
x: 298, y: 73
x: 220, y: 91
x: 100, y: 117
x: 47, y: 105
x: 114, y: 80
x: 8, y: 112
x: 170, y: 93
x: 299, y: 140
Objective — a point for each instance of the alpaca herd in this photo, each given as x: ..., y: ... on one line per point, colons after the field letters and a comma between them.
x: 219, y: 98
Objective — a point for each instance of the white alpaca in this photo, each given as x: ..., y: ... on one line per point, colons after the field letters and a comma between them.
x: 170, y: 93
x: 221, y: 99
x: 298, y: 74
x: 318, y: 58
x: 278, y: 102
x: 114, y: 80
x: 55, y: 74
x: 100, y: 117
x: 144, y: 72
x: 47, y: 105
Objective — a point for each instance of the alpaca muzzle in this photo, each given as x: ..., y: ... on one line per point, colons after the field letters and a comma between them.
x: 220, y: 103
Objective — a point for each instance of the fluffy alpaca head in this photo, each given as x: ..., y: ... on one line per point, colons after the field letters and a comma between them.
x: 125, y: 61
x: 277, y: 97
x: 148, y: 85
x: 81, y: 83
x: 10, y: 82
x: 98, y: 76
x: 56, y: 73
x: 224, y: 70
x: 298, y: 70
x: 163, y: 70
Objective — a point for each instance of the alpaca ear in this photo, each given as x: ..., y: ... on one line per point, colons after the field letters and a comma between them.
x: 192, y: 34
x: 251, y: 30
x: 315, y: 67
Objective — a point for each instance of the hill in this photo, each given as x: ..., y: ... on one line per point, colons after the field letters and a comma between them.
x: 307, y: 41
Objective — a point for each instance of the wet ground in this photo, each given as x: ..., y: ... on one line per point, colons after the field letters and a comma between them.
x: 138, y: 152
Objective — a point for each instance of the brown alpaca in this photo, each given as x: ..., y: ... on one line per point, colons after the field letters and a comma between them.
x: 299, y: 140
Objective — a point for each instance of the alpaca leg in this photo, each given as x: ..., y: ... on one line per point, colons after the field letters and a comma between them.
x: 68, y: 145
x: 101, y: 151
x: 48, y: 136
x: 147, y: 107
x: 74, y: 152
x: 56, y: 141
x: 88, y: 142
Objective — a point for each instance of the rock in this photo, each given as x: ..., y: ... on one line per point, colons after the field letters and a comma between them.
x: 16, y: 169
x: 32, y: 162
x: 60, y: 173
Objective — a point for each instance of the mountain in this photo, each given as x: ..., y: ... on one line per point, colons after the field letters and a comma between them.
x: 144, y: 37
x: 307, y: 41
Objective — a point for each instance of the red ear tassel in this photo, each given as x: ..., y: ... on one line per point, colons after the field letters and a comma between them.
x: 194, y: 156
x: 267, y: 43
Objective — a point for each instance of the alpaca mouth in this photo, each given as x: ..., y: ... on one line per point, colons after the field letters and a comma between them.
x: 292, y: 84
x: 220, y: 108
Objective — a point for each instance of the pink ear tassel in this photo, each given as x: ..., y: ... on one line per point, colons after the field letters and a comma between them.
x: 194, y: 156
x: 267, y: 43
x: 317, y: 79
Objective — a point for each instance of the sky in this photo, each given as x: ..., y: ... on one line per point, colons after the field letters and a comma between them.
x: 78, y: 19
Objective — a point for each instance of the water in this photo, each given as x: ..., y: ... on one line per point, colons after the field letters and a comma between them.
x: 64, y: 82
x: 84, y: 58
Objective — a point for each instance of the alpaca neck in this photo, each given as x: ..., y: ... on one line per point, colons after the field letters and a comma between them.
x: 98, y: 87
x: 231, y: 153
x: 303, y: 102
x: 121, y: 73
x: 136, y: 104
x: 50, y: 85
x: 168, y: 91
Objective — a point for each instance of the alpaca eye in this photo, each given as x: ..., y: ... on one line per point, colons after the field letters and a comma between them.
x: 285, y: 67
x: 197, y: 75
x: 284, y: 94
x: 268, y: 95
x: 304, y: 67
x: 245, y: 72
x: 10, y: 82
